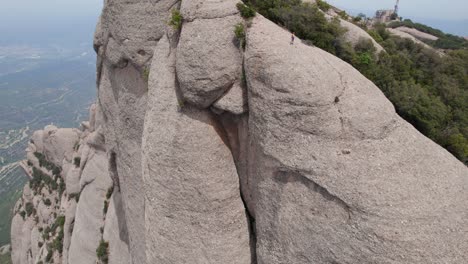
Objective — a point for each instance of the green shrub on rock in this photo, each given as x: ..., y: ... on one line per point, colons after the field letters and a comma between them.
x: 245, y: 10
x: 176, y: 19
x: 102, y: 251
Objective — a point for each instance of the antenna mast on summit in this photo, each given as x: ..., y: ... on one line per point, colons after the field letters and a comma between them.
x: 396, y: 6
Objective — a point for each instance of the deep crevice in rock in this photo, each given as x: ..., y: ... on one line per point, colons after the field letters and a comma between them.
x: 230, y: 125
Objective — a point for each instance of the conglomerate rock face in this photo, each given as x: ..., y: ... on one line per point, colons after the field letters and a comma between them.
x: 201, y: 151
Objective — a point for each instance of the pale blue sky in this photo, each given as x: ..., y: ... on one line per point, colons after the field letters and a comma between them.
x: 45, y: 8
x: 441, y: 10
x: 40, y: 16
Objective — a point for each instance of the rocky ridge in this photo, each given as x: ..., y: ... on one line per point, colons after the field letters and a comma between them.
x: 201, y: 151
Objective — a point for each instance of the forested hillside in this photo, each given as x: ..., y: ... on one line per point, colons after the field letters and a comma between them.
x: 429, y: 90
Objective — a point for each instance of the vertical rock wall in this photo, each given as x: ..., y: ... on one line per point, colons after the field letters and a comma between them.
x: 201, y: 151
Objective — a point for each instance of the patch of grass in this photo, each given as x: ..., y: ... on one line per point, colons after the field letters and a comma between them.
x: 176, y: 19
x: 146, y: 74
x: 239, y: 32
x: 245, y: 10
x: 102, y: 251
x: 109, y: 192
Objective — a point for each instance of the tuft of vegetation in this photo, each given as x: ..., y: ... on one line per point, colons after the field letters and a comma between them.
x: 109, y: 192
x: 23, y: 214
x: 29, y: 207
x: 102, y: 251
x: 146, y: 74
x: 176, y: 19
x: 47, y: 202
x: 106, y: 207
x: 239, y: 32
x: 77, y: 161
x: 343, y: 15
x: 49, y: 255
x: 245, y: 10
x: 75, y: 196
x: 323, y: 5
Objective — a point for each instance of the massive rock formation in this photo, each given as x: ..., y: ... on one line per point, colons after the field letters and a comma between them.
x: 198, y: 151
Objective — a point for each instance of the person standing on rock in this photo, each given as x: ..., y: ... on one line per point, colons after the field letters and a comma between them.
x: 292, y: 38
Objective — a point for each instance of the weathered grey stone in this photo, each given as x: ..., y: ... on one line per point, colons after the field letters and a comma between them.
x: 354, y: 34
x: 72, y: 181
x: 16, y: 238
x: 208, y: 59
x: 403, y: 34
x: 196, y: 9
x: 59, y: 143
x: 67, y: 227
x: 92, y: 117
x: 193, y: 198
x: 37, y: 139
x: 396, y: 197
x: 416, y: 33
x: 89, y: 211
x: 133, y: 29
x: 234, y: 101
x: 122, y: 97
x: 96, y: 139
x: 118, y: 250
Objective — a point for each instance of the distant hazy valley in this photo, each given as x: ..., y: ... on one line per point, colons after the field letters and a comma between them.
x: 39, y: 85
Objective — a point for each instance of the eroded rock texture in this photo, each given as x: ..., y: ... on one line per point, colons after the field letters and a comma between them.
x: 198, y: 151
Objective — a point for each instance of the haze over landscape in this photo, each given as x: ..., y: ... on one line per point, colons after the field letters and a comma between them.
x: 47, y: 76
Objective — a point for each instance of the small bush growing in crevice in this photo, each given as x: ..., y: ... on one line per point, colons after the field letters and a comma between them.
x: 102, y: 251
x: 109, y: 192
x: 239, y: 32
x: 50, y: 253
x: 29, y: 208
x: 176, y: 19
x: 106, y: 206
x: 77, y: 161
x: 146, y: 74
x: 75, y: 196
x: 245, y: 10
